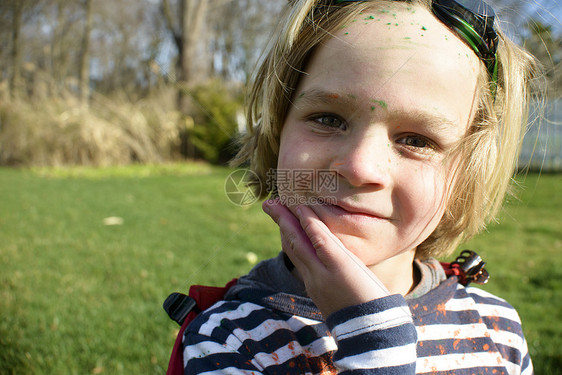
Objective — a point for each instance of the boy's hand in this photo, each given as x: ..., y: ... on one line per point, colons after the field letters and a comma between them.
x: 334, y: 277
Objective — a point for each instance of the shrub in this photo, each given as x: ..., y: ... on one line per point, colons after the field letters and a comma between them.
x: 214, y: 121
x: 60, y: 131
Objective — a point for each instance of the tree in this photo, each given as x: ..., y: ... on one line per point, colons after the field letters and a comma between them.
x: 84, y: 78
x: 547, y: 48
x: 15, y: 79
x: 186, y: 32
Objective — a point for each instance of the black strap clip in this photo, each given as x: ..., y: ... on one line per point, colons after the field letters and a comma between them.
x: 471, y: 268
x: 178, y: 305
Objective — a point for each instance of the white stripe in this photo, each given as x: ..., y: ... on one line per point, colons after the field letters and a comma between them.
x: 303, y: 321
x: 450, y: 331
x: 468, y: 331
x: 528, y: 370
x: 463, y: 304
x: 265, y: 329
x: 203, y: 349
x: 460, y: 304
x: 397, y: 356
x: 499, y: 311
x: 507, y: 338
x: 321, y: 346
x: 214, y: 320
x: 450, y: 362
x: 483, y: 293
x: 261, y: 360
x: 367, y: 323
x: 281, y: 355
x: 228, y: 371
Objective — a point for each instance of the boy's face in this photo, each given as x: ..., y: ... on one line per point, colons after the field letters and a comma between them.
x: 380, y: 104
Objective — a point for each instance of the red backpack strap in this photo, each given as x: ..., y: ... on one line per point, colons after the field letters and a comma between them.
x: 468, y: 267
x: 183, y: 309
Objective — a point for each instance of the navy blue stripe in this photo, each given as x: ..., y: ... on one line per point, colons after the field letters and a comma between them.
x: 473, y: 370
x: 502, y: 324
x: 406, y: 369
x: 217, y: 362
x: 257, y: 317
x: 494, y: 301
x: 448, y: 317
x: 302, y: 364
x: 269, y: 344
x: 367, y: 308
x: 526, y: 361
x: 511, y: 354
x: 253, y: 320
x: 203, y: 317
x: 432, y: 348
x: 376, y: 340
x: 309, y: 334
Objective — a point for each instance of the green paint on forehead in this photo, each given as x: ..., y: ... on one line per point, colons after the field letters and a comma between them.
x: 381, y: 103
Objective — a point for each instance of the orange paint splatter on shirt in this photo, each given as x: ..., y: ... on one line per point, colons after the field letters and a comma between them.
x: 441, y: 308
x: 456, y: 344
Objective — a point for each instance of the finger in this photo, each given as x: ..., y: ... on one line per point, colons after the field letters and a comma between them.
x: 332, y: 253
x: 294, y: 240
x: 328, y: 248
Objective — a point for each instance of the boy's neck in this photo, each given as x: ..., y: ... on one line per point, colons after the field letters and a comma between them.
x: 398, y: 274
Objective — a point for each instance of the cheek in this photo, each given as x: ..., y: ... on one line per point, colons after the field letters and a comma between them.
x: 295, y: 153
x: 426, y: 196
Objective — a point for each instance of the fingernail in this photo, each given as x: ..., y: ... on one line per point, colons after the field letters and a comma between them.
x: 265, y: 206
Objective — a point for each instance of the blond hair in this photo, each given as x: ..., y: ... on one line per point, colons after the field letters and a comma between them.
x: 487, y: 155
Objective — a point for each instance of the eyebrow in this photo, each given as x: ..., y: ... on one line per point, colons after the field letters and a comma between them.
x: 433, y: 120
x: 315, y: 96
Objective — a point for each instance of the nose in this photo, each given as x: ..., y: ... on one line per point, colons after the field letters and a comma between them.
x: 365, y: 159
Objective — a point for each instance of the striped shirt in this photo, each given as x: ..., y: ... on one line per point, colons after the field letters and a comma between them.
x: 449, y: 330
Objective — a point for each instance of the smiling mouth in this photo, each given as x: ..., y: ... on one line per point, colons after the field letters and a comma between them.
x: 347, y: 212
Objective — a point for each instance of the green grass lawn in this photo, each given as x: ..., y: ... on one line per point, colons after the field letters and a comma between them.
x: 81, y: 297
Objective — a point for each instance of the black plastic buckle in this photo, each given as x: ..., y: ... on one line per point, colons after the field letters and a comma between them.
x: 178, y: 305
x: 472, y: 267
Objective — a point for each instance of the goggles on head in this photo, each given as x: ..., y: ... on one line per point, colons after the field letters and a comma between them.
x: 473, y: 22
